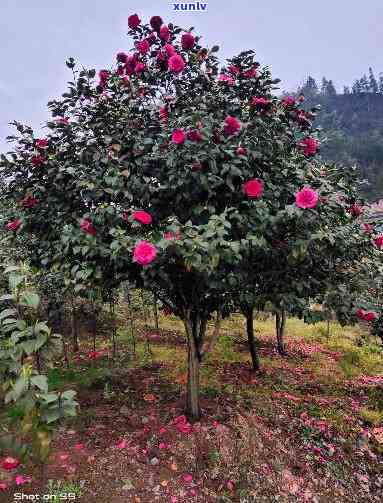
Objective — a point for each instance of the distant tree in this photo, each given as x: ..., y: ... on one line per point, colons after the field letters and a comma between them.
x: 346, y: 90
x: 381, y: 83
x: 372, y: 81
x: 357, y: 87
x: 330, y: 89
x: 324, y: 85
x: 310, y: 88
x: 364, y: 84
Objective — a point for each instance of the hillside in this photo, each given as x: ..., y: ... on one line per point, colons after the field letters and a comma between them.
x: 353, y: 127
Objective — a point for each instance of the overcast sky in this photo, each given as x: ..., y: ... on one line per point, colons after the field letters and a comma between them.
x: 336, y: 38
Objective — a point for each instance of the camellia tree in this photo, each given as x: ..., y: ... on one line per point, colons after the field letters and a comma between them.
x: 164, y: 172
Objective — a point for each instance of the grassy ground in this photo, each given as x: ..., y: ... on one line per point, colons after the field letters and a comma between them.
x: 307, y: 428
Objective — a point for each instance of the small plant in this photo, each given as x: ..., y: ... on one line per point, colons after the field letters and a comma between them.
x: 59, y: 490
x: 108, y: 391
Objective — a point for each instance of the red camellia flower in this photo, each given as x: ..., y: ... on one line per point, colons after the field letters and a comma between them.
x: 133, y: 21
x: 241, y: 150
x: 176, y: 63
x: 178, y: 136
x: 156, y: 22
x: 360, y: 313
x: 143, y: 46
x: 37, y: 160
x: 253, y: 188
x: 121, y: 57
x: 379, y: 241
x: 92, y: 355
x: 29, y: 202
x: 368, y: 228
x: 142, y: 216
x: 14, y: 224
x: 140, y: 67
x: 260, y: 102
x: 3, y: 486
x: 226, y: 79
x: 232, y: 125
x: 103, y: 76
x: 170, y: 50
x: 187, y: 41
x: 370, y: 316
x: 288, y: 101
x: 194, y: 135
x: 235, y: 70
x: 62, y: 121
x: 144, y: 252
x: 306, y: 198
x: 164, y: 33
x: 309, y: 146
x: 87, y: 226
x: 196, y: 166
x: 130, y: 64
x: 250, y: 74
x: 167, y: 311
x: 169, y: 235
x: 43, y: 143
x: 10, y: 463
x: 355, y: 210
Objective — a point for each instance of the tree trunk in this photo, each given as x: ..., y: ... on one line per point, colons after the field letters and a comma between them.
x: 195, y: 340
x: 74, y: 328
x: 280, y: 323
x: 155, y: 310
x: 251, y: 339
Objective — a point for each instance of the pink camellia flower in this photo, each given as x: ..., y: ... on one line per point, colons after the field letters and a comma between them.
x: 10, y: 463
x: 164, y: 33
x: 194, y: 135
x: 176, y: 63
x: 178, y: 136
x: 156, y: 22
x: 370, y: 316
x: 379, y: 241
x: 288, y: 101
x: 79, y: 447
x: 164, y: 115
x: 306, y: 198
x: 309, y: 146
x: 29, y: 202
x: 144, y: 252
x: 151, y: 38
x: 121, y: 57
x: 123, y: 444
x: 133, y: 21
x: 355, y: 210
x: 37, y: 160
x: 120, y: 71
x: 232, y: 125
x: 94, y: 355
x: 226, y: 79
x: 140, y: 67
x: 182, y: 424
x: 241, y: 150
x: 3, y: 486
x: 188, y: 477
x: 260, y: 102
x: 22, y: 479
x: 103, y: 75
x: 250, y: 74
x: 235, y: 70
x: 253, y: 188
x: 87, y: 226
x: 42, y: 143
x: 143, y: 46
x: 14, y: 224
x: 143, y: 217
x: 62, y: 121
x: 368, y: 228
x: 130, y: 64
x: 187, y: 41
x: 170, y: 50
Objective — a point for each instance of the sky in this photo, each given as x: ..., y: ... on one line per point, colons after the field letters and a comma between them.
x: 336, y: 38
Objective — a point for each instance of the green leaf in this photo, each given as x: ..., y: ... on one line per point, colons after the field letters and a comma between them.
x: 31, y: 300
x: 41, y: 382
